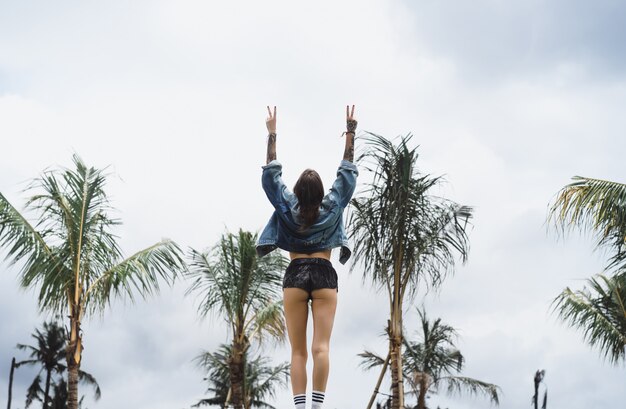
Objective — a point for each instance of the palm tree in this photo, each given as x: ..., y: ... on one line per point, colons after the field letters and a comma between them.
x: 49, y: 353
x: 261, y: 379
x: 73, y: 257
x: 537, y: 380
x: 10, y: 394
x: 597, y: 206
x: 245, y: 290
x: 433, y: 364
x: 404, y: 235
x: 59, y: 398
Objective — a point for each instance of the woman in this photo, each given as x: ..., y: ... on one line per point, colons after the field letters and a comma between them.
x: 308, y: 224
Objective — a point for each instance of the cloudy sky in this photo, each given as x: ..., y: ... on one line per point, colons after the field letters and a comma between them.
x: 507, y: 99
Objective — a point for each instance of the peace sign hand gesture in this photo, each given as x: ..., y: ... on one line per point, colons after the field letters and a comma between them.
x: 270, y: 122
x: 350, y: 121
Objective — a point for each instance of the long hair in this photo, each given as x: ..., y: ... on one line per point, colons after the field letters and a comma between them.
x: 310, y: 191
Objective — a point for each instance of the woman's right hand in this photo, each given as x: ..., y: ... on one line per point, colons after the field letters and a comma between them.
x: 270, y: 122
x: 351, y: 121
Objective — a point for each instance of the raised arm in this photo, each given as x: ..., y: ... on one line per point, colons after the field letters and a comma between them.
x: 348, y: 153
x: 270, y: 122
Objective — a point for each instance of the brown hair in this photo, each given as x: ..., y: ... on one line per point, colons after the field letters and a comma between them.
x: 310, y: 191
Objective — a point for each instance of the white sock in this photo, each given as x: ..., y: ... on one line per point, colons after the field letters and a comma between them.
x: 300, y: 400
x: 318, y: 400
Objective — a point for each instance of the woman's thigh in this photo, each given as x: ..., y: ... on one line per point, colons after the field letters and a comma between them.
x: 296, y: 305
x: 323, y: 306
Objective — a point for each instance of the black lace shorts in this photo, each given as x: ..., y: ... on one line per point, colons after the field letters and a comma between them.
x: 310, y: 274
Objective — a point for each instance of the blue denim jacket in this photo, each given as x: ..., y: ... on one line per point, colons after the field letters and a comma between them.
x: 327, y: 232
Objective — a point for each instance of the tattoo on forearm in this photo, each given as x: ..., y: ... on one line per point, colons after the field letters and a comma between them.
x: 348, y: 153
x: 271, y: 147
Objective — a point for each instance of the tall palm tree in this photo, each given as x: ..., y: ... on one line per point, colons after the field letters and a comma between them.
x: 245, y: 290
x: 434, y: 363
x: 261, y: 379
x: 404, y: 235
x: 50, y: 354
x: 597, y: 206
x: 11, y: 372
x: 70, y: 253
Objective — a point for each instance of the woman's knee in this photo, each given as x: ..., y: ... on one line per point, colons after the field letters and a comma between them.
x: 320, y: 350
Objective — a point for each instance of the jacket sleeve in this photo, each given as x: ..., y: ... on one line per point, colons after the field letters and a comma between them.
x: 343, y: 188
x: 273, y: 185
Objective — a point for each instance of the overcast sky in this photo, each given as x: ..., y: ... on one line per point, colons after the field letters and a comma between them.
x: 507, y: 99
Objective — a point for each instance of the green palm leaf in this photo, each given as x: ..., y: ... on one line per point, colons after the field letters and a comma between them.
x: 599, y: 312
x: 138, y: 274
x: 460, y: 385
x: 370, y: 360
x: 597, y: 206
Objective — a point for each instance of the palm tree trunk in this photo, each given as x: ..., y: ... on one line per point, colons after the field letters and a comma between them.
x: 11, y: 382
x: 395, y: 337
x: 73, y: 356
x: 380, y: 380
x: 421, y: 398
x: 395, y: 352
x: 46, y: 393
x: 236, y: 366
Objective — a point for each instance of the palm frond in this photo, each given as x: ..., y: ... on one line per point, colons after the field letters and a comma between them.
x: 138, y: 273
x: 597, y: 206
x: 268, y: 319
x: 213, y: 286
x: 89, y: 379
x: 599, y: 312
x: 41, y: 262
x: 34, y: 392
x: 370, y: 360
x: 18, y: 236
x: 460, y: 385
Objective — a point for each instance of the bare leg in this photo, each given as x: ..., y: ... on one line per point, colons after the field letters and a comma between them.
x: 295, y: 302
x: 323, y: 306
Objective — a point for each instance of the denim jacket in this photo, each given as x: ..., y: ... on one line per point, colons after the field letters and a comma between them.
x: 327, y: 232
